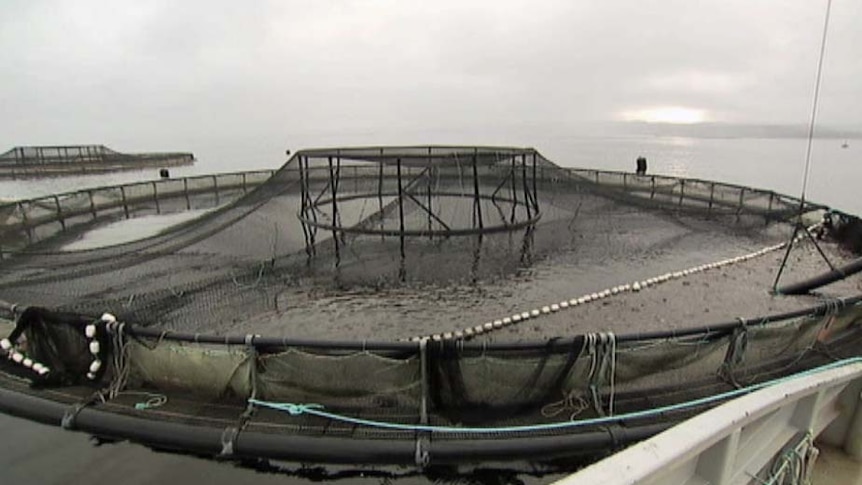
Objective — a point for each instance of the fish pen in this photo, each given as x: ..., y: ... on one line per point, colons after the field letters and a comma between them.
x: 53, y: 161
x: 421, y: 306
x: 25, y: 223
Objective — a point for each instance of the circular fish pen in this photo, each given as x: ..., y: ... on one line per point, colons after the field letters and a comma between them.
x: 421, y: 306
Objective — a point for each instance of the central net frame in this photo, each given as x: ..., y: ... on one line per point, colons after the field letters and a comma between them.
x: 432, y: 192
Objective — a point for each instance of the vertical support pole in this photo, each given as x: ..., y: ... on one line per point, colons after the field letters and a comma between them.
x: 60, y: 213
x: 430, y: 173
x: 514, y: 175
x: 526, y: 185
x: 333, y: 189
x: 186, y: 193
x: 25, y: 222
x: 535, y: 189
x: 402, y: 274
x: 652, y: 187
x: 380, y: 193
x: 625, y: 181
x: 741, y: 200
x: 215, y: 188
x: 156, y: 198
x: 303, y: 208
x: 477, y: 202
x: 312, y: 231
x: 681, y: 191
x: 125, y: 204
x: 303, y: 190
x: 92, y: 203
x: 244, y: 184
x: 711, y: 195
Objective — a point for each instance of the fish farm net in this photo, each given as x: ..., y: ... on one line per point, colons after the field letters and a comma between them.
x: 404, y: 305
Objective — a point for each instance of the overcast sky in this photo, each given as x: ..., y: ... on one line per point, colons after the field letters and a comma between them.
x: 165, y: 74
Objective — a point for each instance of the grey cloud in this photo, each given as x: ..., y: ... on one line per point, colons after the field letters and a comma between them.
x: 260, y: 72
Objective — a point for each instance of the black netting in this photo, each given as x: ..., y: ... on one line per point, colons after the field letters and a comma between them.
x: 58, y: 342
x: 343, y: 257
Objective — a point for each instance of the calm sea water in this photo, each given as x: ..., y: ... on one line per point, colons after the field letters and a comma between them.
x: 776, y: 164
x: 42, y: 454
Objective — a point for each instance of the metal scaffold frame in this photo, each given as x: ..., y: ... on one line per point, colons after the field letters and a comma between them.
x: 413, y: 179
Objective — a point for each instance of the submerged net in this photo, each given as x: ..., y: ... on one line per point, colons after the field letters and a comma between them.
x: 302, y: 252
x: 465, y: 215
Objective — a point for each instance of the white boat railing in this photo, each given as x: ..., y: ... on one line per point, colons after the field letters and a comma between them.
x: 761, y: 438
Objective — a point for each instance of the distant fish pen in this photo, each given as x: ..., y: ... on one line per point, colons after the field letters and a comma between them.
x: 25, y: 223
x: 54, y: 161
x: 363, y: 306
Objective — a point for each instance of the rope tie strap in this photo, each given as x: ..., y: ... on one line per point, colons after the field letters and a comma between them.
x: 573, y: 402
x: 252, y: 376
x: 294, y: 409
x: 153, y: 401
x: 601, y: 347
x: 71, y: 414
x: 422, y: 457
x: 228, y: 438
x: 794, y: 464
x: 120, y: 358
x: 591, y: 346
x: 735, y: 355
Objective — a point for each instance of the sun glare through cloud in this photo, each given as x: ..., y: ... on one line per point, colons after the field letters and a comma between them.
x: 667, y: 114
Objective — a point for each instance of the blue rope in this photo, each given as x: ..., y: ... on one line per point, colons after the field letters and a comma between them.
x: 317, y: 410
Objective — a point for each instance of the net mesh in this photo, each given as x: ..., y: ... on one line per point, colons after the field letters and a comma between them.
x: 432, y: 228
